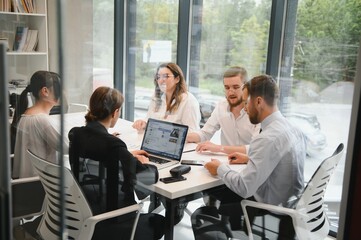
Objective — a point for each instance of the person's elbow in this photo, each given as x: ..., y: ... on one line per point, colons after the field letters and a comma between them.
x: 193, y: 138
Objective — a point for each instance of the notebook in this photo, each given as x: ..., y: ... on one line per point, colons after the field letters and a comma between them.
x: 164, y: 141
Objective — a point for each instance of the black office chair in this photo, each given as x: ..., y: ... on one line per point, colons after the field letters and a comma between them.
x: 208, y: 224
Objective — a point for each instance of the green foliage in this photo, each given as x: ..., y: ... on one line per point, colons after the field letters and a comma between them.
x: 235, y: 32
x: 103, y: 25
x: 156, y: 20
x: 250, y: 45
x: 328, y: 34
x: 215, y: 86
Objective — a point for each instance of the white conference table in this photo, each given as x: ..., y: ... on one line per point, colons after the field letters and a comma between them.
x: 198, y: 179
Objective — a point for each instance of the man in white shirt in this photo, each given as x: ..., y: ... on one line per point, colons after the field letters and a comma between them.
x: 275, y: 163
x: 229, y: 116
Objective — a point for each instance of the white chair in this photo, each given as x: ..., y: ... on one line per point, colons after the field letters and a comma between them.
x: 79, y: 220
x: 308, y: 216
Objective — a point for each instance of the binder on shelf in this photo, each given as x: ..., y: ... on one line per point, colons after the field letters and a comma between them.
x: 23, y: 2
x: 20, y: 38
x: 14, y: 6
x: 31, y: 41
x: 5, y: 5
x: 20, y: 6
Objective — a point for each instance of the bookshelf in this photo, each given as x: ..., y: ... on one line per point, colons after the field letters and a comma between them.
x: 22, y: 64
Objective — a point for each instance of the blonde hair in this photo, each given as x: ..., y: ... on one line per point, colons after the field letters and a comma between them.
x: 236, y: 71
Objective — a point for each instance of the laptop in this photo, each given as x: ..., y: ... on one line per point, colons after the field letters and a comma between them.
x: 164, y: 141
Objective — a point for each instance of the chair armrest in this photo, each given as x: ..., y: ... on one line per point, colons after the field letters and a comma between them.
x: 24, y: 180
x: 89, y: 224
x: 268, y: 207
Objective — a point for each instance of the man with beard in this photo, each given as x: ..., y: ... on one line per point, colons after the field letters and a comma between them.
x: 275, y: 162
x: 229, y: 116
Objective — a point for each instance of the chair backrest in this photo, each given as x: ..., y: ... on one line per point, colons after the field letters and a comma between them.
x: 313, y: 221
x: 27, y: 197
x: 76, y: 206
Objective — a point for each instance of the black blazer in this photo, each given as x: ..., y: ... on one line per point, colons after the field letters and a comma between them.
x: 94, y: 142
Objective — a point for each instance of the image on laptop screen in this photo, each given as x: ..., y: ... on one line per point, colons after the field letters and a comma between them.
x: 164, y: 139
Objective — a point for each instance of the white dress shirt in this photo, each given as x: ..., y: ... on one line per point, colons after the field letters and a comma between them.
x: 234, y: 131
x: 188, y: 112
x: 274, y: 172
x: 34, y: 132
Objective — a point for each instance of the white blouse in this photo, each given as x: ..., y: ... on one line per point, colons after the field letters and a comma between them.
x: 34, y: 132
x: 188, y: 112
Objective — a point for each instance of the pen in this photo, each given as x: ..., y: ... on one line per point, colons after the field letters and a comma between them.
x: 189, y: 151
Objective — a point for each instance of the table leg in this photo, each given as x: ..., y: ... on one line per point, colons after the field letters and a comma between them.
x: 169, y: 219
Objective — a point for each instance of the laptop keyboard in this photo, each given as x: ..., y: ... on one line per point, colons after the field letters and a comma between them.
x: 158, y: 160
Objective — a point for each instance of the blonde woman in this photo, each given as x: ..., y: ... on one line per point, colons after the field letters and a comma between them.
x: 171, y: 100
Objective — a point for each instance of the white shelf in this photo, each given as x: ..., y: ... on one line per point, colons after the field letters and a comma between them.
x: 24, y: 14
x: 27, y: 53
x: 22, y: 65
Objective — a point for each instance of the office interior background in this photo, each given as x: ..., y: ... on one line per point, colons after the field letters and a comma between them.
x: 311, y: 47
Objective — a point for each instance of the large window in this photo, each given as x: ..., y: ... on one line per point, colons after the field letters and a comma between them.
x: 317, y: 81
x: 316, y: 67
x: 315, y: 63
x: 153, y: 42
x: 225, y: 34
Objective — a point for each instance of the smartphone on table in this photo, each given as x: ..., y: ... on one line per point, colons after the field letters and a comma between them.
x: 192, y: 162
x: 172, y: 179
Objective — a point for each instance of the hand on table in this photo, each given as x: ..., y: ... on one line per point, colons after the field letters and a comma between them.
x: 208, y: 146
x: 212, y: 166
x: 115, y: 134
x: 238, y: 158
x: 139, y: 124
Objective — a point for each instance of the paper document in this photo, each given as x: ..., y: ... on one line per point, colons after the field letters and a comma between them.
x: 189, y: 147
x: 208, y: 156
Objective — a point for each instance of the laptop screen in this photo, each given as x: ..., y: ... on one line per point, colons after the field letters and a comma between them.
x: 164, y: 139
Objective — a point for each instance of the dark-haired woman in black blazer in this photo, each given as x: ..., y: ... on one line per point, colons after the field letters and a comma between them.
x: 94, y: 142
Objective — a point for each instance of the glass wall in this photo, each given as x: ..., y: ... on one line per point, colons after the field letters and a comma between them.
x: 244, y: 28
x: 154, y: 42
x: 225, y: 34
x: 316, y: 70
x: 317, y: 78
x: 88, y: 47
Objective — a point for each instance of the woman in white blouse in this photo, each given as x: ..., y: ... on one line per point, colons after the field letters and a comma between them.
x: 171, y: 100
x: 33, y: 128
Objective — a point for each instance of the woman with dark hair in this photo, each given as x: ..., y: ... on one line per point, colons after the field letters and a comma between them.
x: 32, y: 126
x: 94, y: 142
x: 171, y: 101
